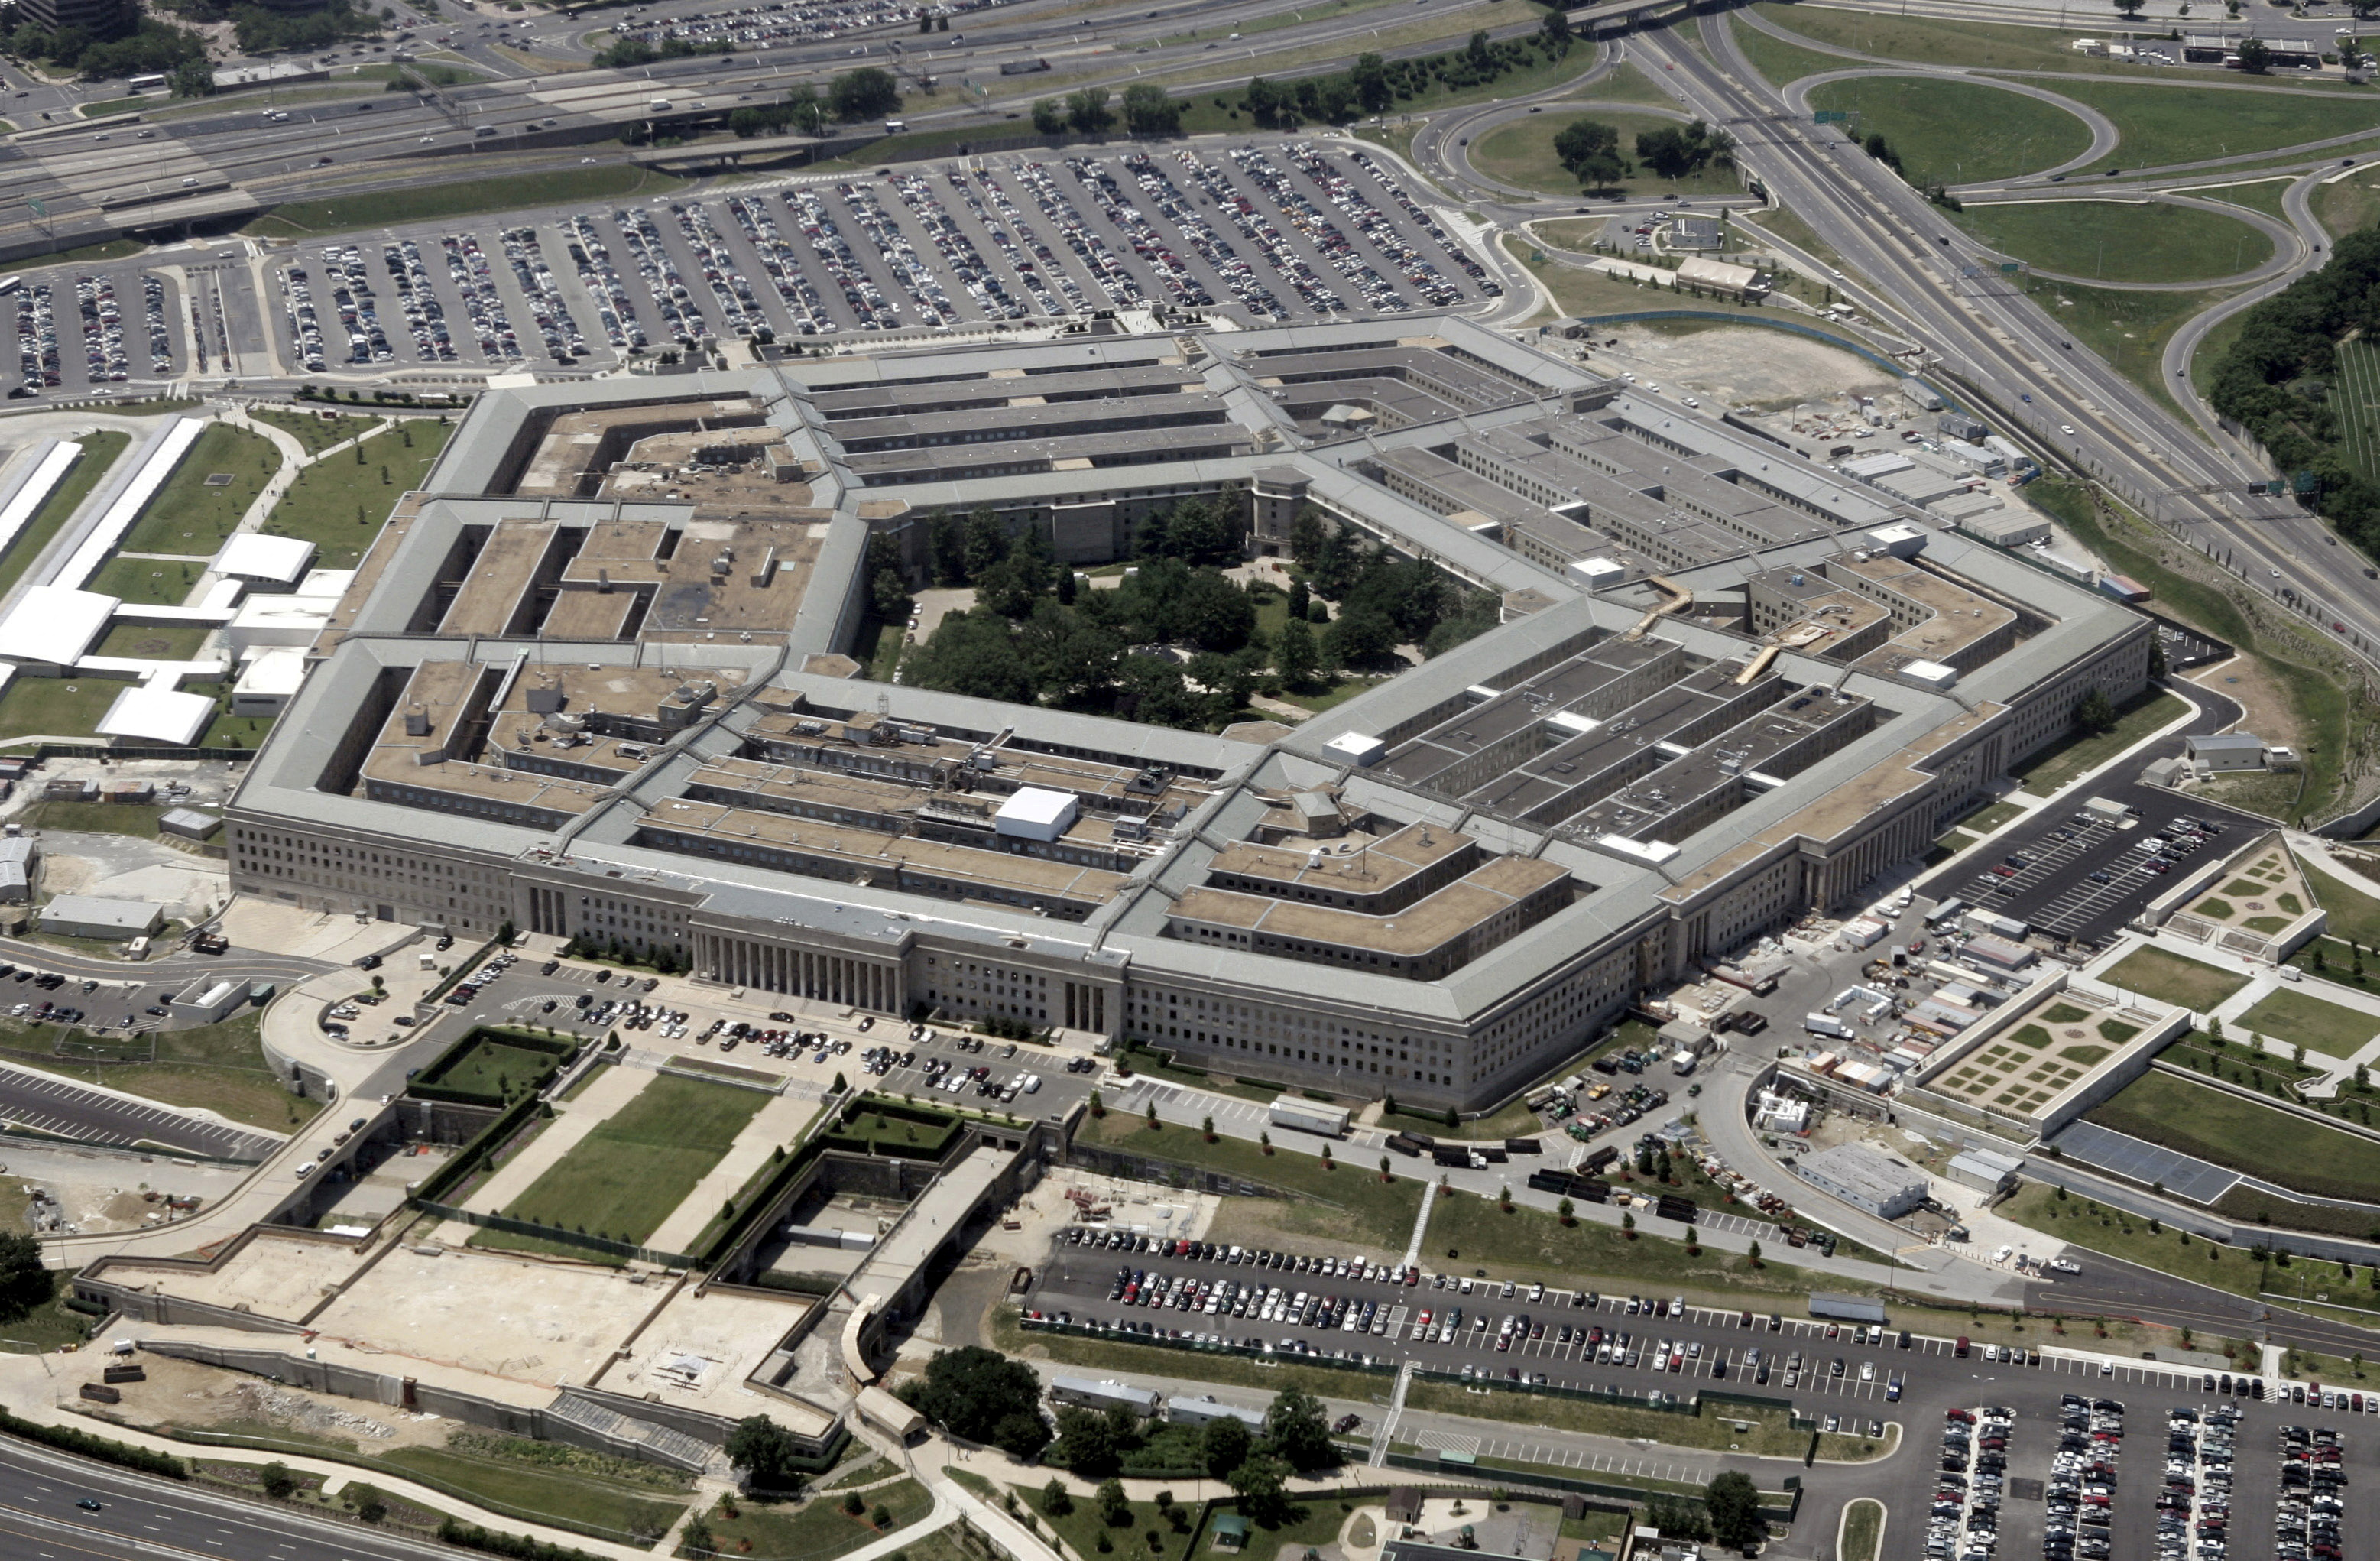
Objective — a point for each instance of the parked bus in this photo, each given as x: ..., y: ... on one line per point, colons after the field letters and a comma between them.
x: 145, y: 83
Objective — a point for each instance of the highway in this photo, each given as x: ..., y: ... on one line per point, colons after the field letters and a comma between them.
x: 140, y: 1519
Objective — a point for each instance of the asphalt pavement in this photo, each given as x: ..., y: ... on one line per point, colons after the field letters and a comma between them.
x: 141, y: 1518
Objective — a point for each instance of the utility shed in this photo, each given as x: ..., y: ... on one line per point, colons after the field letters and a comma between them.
x: 1983, y: 1170
x: 1864, y: 1178
x: 1846, y: 1308
x: 2233, y: 750
x: 1092, y: 1394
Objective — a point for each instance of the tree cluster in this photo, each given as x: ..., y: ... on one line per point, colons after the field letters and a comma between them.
x: 979, y: 1394
x: 25, y: 1285
x: 2275, y: 379
x: 260, y: 31
x: 1590, y: 150
x: 765, y: 1452
x: 628, y: 53
x: 1148, y: 112
x: 1875, y: 146
x: 1675, y: 151
x: 153, y: 48
x: 1384, y: 601
x: 867, y: 92
x: 1374, y: 85
x: 800, y: 109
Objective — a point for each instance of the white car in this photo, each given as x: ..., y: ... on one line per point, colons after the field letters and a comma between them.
x: 2002, y: 1255
x: 2067, y: 428
x: 2060, y: 1265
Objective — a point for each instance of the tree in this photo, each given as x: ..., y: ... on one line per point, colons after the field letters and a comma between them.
x: 1294, y: 656
x: 1590, y: 150
x: 2255, y: 56
x: 981, y: 1396
x: 765, y: 1451
x: 986, y: 543
x: 1296, y: 1427
x: 1261, y: 1482
x: 1674, y: 151
x: 1148, y: 112
x: 1369, y: 76
x: 1223, y: 1447
x: 2094, y: 712
x: 1115, y: 1508
x: 1056, y: 1500
x: 1752, y: 1253
x: 1049, y: 116
x: 1566, y: 1211
x: 276, y: 1480
x: 195, y: 79
x: 1734, y: 1507
x: 1086, y: 110
x: 1555, y: 29
x: 1360, y: 637
x: 2130, y: 8
x: 865, y: 93
x: 1089, y: 1442
x: 25, y: 1285
x: 370, y: 1505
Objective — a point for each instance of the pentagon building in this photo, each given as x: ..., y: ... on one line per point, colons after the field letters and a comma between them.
x: 597, y: 680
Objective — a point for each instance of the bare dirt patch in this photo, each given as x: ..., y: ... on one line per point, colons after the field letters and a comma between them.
x: 1745, y: 364
x: 2262, y: 696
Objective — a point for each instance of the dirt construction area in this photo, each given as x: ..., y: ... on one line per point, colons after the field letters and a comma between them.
x: 187, y: 1394
x: 1741, y: 365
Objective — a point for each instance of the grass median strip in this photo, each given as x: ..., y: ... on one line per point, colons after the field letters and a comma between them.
x: 427, y: 201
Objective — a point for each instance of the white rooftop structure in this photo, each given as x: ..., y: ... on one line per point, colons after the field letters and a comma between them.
x: 253, y: 556
x: 332, y: 583
x: 267, y: 621
x: 1356, y: 747
x: 161, y: 715
x: 269, y: 681
x: 54, y: 626
x: 1037, y: 813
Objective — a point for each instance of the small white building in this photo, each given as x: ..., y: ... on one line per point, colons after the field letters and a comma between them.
x: 1864, y: 1178
x: 264, y: 563
x: 143, y: 714
x: 2232, y: 751
x: 1034, y: 813
x: 269, y: 682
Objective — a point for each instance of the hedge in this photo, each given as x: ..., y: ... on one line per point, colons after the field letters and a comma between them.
x: 471, y: 1536
x: 67, y: 1439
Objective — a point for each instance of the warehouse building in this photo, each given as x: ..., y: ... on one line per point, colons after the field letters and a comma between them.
x: 1864, y: 1178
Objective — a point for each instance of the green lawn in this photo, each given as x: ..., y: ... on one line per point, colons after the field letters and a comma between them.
x: 2172, y: 978
x: 818, y: 1527
x: 1522, y: 153
x: 2302, y: 1020
x: 2354, y: 914
x: 98, y: 453
x: 312, y: 429
x: 2260, y: 195
x: 93, y: 818
x: 154, y: 641
x: 2119, y: 242
x: 217, y: 1068
x: 1951, y: 131
x: 189, y: 516
x: 2128, y: 329
x: 431, y: 200
x: 2122, y: 1234
x: 488, y: 1065
x: 617, y: 1511
x: 2049, y: 768
x: 1351, y: 1201
x: 150, y: 581
x: 1085, y: 1530
x: 89, y: 254
x: 1973, y: 45
x: 66, y: 707
x: 1862, y: 1530
x: 2165, y: 125
x: 628, y: 1174
x: 2276, y: 1146
x: 1783, y: 62
x: 2350, y: 203
x: 339, y: 504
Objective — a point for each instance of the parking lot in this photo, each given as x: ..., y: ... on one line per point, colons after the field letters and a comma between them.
x: 2073, y: 873
x: 2010, y: 1480
x: 866, y: 1052
x: 1283, y: 230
